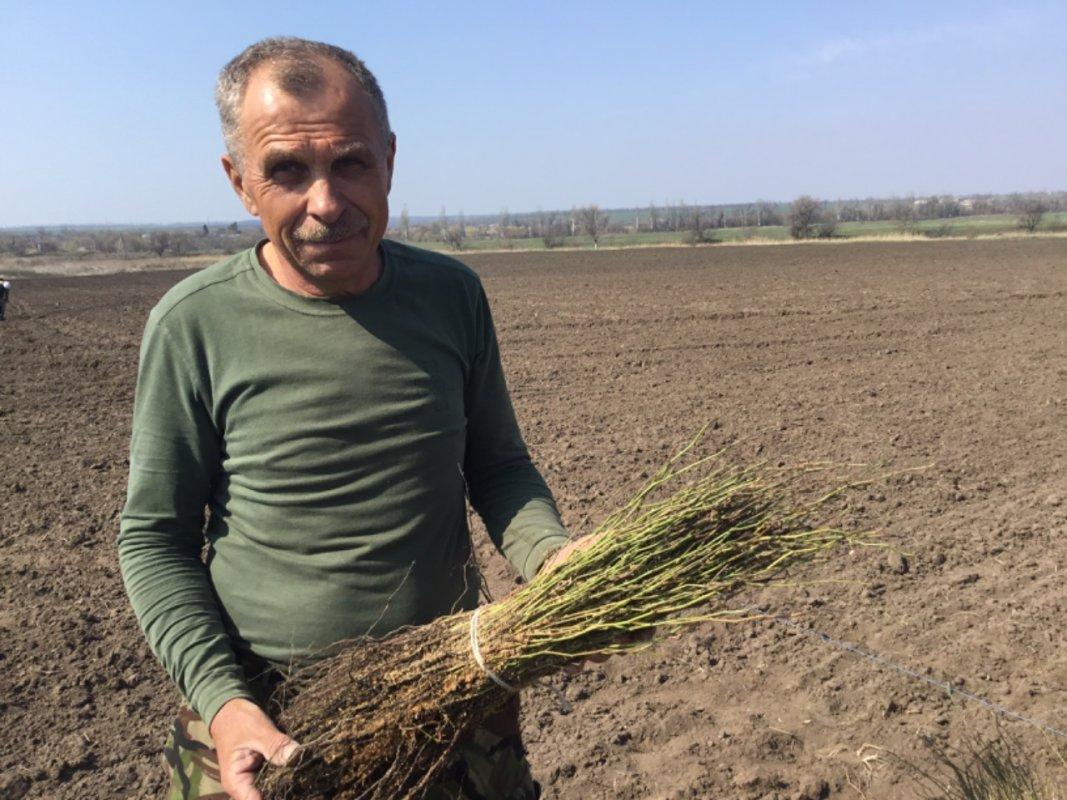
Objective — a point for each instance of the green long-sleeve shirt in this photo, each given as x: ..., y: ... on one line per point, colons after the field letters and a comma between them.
x: 323, y: 448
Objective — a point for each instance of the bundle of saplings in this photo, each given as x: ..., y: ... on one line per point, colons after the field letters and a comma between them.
x: 380, y: 719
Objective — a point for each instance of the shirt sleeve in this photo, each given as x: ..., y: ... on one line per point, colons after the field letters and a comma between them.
x: 174, y: 458
x: 505, y: 487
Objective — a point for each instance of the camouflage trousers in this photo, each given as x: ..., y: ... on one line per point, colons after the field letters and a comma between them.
x: 486, y: 767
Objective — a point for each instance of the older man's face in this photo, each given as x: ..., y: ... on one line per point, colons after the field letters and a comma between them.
x: 317, y: 174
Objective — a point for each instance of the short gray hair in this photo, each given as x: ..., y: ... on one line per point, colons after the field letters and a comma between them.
x: 296, y: 64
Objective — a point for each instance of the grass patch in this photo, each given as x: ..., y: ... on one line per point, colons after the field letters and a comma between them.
x: 997, y: 769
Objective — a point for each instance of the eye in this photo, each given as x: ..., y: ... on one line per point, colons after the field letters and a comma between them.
x: 350, y: 165
x: 286, y: 171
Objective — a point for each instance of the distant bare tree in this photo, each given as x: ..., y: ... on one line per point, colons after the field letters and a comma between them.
x: 699, y: 221
x: 181, y: 243
x: 405, y: 224
x: 456, y: 235
x: 441, y: 226
x: 455, y: 238
x: 850, y: 211
x: 593, y: 221
x: 677, y: 216
x: 947, y: 207
x: 1031, y: 212
x: 766, y: 214
x: 15, y: 245
x: 904, y: 211
x: 804, y: 215
x: 159, y: 242
x: 551, y: 229
x: 104, y: 241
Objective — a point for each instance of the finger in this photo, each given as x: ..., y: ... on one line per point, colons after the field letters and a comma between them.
x: 284, y: 750
x: 244, y: 787
x: 239, y: 778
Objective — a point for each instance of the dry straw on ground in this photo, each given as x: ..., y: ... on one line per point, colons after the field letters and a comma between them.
x: 995, y: 769
x: 381, y: 718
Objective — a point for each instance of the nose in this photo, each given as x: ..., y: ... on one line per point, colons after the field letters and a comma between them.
x: 324, y: 202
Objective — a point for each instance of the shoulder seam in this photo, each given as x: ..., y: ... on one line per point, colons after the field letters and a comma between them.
x: 162, y: 313
x: 432, y: 257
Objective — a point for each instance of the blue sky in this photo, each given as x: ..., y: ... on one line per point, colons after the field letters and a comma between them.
x: 108, y: 116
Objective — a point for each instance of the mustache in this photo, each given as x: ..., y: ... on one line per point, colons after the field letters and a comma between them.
x: 332, y: 232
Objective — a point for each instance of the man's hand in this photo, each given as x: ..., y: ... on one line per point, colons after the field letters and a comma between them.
x: 557, y: 558
x: 245, y: 737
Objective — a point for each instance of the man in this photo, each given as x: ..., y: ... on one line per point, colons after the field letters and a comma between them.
x: 317, y: 409
x: 5, y: 292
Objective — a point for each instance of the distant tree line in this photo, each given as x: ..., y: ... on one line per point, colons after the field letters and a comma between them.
x: 554, y: 227
x: 130, y: 243
x: 811, y: 218
x: 806, y: 217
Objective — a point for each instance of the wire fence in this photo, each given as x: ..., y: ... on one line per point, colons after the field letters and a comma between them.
x: 953, y: 691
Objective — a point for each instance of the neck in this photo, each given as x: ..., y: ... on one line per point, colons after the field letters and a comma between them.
x: 317, y: 282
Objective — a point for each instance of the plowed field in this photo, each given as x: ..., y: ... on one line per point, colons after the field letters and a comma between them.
x: 950, y: 355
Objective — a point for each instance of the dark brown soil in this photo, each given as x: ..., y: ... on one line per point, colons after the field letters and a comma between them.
x: 946, y: 354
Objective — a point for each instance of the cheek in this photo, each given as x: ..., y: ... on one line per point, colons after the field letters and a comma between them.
x: 281, y: 216
x: 372, y: 198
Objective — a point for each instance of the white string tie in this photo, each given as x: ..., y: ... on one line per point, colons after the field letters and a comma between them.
x: 477, y: 651
x: 478, y: 654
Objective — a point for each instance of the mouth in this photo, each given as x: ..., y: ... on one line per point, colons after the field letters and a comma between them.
x: 326, y: 253
x: 325, y: 236
x: 324, y: 244
x: 324, y: 250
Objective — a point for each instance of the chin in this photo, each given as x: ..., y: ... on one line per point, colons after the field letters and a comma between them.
x: 334, y: 270
x: 339, y: 274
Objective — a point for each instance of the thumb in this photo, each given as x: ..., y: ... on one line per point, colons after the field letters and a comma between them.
x: 284, y: 749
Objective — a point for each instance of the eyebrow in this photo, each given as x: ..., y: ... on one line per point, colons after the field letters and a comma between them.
x: 279, y: 155
x: 355, y: 149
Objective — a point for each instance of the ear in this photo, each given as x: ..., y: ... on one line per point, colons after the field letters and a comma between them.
x: 390, y: 155
x: 238, y: 184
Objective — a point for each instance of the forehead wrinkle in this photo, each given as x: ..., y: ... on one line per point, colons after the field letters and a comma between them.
x: 293, y: 125
x: 268, y: 128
